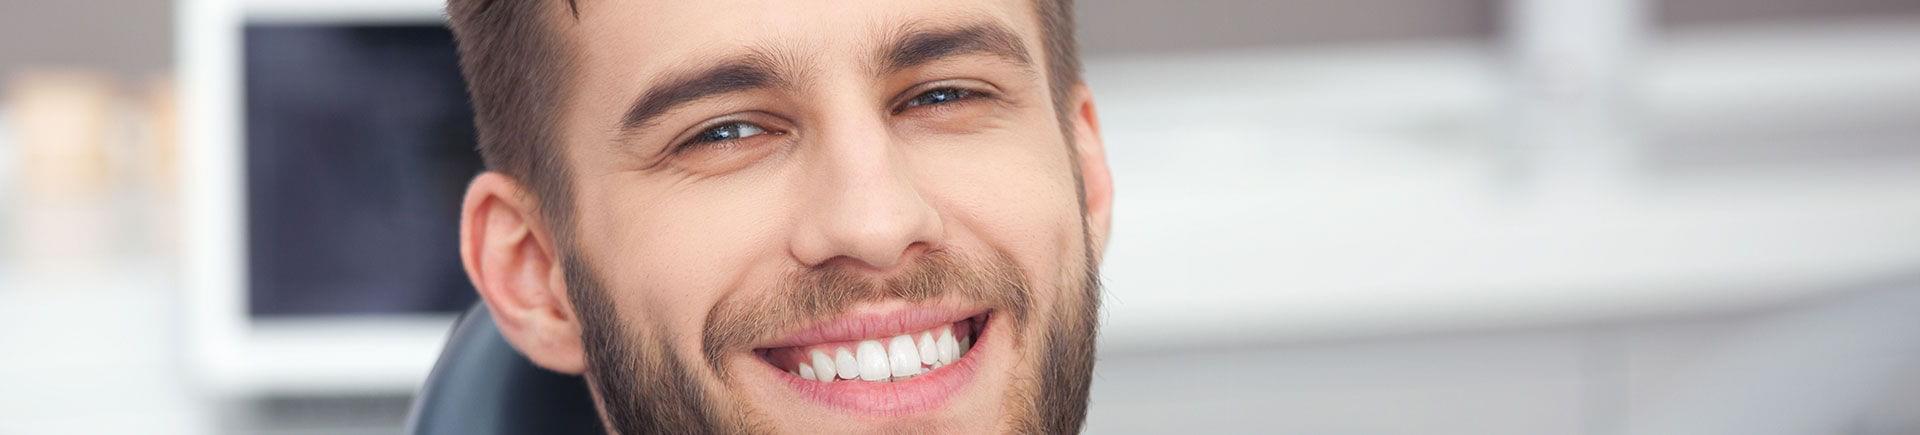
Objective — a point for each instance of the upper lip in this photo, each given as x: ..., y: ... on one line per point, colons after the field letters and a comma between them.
x: 875, y: 325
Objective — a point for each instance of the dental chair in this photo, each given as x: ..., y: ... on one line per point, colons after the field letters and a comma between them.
x: 482, y: 386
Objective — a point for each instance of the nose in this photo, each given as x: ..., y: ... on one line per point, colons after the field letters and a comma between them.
x: 862, y: 203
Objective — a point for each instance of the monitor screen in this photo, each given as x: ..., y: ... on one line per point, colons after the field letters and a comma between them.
x: 359, y: 145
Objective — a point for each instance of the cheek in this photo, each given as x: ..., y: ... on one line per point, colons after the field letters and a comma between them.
x: 670, y: 254
x: 1012, y: 192
x: 1015, y: 171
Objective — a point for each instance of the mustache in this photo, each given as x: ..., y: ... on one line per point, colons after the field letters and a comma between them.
x: 821, y: 293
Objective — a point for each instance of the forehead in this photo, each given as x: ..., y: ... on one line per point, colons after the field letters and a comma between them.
x: 625, y: 41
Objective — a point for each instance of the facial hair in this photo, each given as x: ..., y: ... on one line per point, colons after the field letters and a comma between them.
x: 644, y: 388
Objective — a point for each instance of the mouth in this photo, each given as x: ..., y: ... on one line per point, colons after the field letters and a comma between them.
x: 887, y: 364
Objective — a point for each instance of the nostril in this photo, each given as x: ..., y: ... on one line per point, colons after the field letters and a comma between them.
x: 866, y: 264
x: 913, y: 251
x: 872, y: 221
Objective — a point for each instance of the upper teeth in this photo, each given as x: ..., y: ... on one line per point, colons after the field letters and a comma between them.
x: 900, y: 357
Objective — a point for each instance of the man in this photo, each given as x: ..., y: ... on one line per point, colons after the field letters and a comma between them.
x: 791, y: 216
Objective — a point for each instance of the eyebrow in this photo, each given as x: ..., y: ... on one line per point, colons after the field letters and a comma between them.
x: 919, y: 47
x: 741, y: 73
x: 759, y: 70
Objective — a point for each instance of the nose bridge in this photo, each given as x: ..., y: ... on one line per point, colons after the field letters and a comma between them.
x: 863, y: 200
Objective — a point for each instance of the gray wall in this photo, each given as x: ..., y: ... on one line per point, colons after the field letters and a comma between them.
x: 128, y: 38
x: 1688, y: 12
x: 1133, y: 26
x: 1127, y: 26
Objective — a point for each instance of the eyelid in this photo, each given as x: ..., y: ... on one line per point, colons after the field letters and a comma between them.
x: 690, y: 137
x: 982, y: 90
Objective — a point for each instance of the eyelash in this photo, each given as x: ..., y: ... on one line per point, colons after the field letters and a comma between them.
x: 922, y: 100
x: 731, y: 130
x: 959, y: 95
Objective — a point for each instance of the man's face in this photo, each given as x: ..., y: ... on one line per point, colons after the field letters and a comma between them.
x: 825, y: 217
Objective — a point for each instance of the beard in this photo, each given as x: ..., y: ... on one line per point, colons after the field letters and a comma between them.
x: 620, y: 363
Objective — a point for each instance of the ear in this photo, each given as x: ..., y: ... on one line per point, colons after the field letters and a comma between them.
x: 1095, y: 179
x: 511, y: 259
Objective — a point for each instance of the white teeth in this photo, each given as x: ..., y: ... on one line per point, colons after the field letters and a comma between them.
x: 929, y: 352
x: 905, y: 359
x: 949, y: 348
x: 822, y: 367
x: 873, y: 361
x: 897, y: 358
x: 845, y: 365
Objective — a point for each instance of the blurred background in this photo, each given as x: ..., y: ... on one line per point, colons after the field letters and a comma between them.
x: 1354, y: 217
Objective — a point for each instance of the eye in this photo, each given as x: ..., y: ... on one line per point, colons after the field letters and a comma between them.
x: 938, y: 96
x: 725, y: 132
x: 728, y: 143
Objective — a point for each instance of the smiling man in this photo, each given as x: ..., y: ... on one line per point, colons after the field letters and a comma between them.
x: 791, y: 216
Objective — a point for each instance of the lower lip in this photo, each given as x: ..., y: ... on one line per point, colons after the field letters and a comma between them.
x: 914, y: 395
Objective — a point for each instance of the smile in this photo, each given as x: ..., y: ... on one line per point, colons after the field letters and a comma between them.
x: 892, y: 363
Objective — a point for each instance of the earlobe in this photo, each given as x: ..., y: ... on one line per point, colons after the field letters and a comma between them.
x: 1096, y: 180
x: 512, y: 263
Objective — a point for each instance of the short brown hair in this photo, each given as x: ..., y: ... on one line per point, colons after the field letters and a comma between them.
x: 516, y: 71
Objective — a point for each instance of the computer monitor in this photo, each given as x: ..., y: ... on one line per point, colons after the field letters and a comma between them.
x: 325, y: 148
x: 359, y: 144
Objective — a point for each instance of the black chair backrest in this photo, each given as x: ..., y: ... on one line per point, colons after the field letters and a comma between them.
x: 482, y: 386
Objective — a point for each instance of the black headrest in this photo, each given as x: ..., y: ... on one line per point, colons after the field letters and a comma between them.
x: 482, y: 386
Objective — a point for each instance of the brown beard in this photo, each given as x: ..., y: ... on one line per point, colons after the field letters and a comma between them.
x: 620, y: 364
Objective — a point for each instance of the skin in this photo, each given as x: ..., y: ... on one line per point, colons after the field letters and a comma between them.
x: 844, y: 179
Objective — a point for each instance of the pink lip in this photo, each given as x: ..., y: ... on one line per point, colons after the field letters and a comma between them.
x: 879, y: 326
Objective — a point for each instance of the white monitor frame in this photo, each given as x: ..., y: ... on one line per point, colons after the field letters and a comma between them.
x: 228, y: 351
